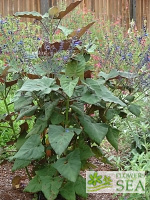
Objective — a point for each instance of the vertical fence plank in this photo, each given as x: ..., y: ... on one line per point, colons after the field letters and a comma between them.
x: 5, y: 8
x: 44, y: 4
x: 107, y: 9
x: 138, y: 14
x: 120, y: 8
x: 99, y: 5
x: 127, y: 13
x: 97, y: 8
x: 1, y: 7
x: 93, y: 8
x: 16, y: 6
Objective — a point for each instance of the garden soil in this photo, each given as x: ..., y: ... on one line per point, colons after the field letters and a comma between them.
x: 8, y: 192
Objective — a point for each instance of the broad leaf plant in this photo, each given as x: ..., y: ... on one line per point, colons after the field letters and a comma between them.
x: 72, y: 113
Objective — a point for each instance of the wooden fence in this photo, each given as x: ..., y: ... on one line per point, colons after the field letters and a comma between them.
x: 109, y: 9
x: 12, y: 6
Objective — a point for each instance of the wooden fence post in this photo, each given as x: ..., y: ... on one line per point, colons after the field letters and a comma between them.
x: 133, y: 10
x: 45, y: 4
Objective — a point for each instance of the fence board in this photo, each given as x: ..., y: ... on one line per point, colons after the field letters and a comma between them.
x: 106, y: 9
x: 12, y: 6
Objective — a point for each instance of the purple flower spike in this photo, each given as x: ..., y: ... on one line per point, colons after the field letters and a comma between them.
x: 78, y: 42
x: 20, y: 42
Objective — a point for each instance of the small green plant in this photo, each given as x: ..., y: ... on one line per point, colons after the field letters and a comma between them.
x: 139, y: 162
x: 135, y: 138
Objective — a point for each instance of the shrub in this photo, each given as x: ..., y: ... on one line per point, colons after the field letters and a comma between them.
x: 72, y: 111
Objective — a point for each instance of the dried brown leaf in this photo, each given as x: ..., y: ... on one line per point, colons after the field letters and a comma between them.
x: 11, y: 83
x: 88, y: 74
x: 27, y: 14
x: 68, y: 9
x: 79, y: 33
x: 48, y: 49
x: 31, y: 76
x: 5, y: 72
x: 16, y: 182
x: 24, y: 127
x: 2, y: 80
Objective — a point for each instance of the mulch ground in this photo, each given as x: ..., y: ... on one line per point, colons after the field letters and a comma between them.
x: 7, y: 192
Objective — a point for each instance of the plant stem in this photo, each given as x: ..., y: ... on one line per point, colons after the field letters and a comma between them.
x: 67, y: 112
x: 56, y: 26
x: 45, y: 27
x: 5, y: 127
x: 27, y: 171
x: 51, y: 31
x: 7, y: 109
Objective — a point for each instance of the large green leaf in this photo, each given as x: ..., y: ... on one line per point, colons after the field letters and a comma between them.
x: 69, y: 166
x: 77, y: 110
x: 39, y: 126
x: 32, y: 149
x: 68, y: 191
x: 76, y: 130
x: 50, y: 186
x: 75, y: 68
x: 100, y: 154
x: 90, y: 98
x: 49, y: 107
x: 57, y: 118
x: 45, y: 85
x: 22, y: 102
x: 130, y: 98
x: 47, y: 170
x: 102, y: 92
x: 91, y: 48
x: 21, y: 140
x: 34, y: 185
x: 65, y: 30
x: 114, y: 74
x: 59, y: 138
x: 26, y: 111
x: 19, y: 164
x: 80, y: 187
x: 96, y: 131
x: 85, y: 151
x: 46, y: 182
x: 110, y: 114
x: 68, y: 85
x: 112, y: 136
x: 134, y: 109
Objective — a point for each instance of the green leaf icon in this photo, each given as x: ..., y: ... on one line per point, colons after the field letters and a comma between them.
x: 94, y: 179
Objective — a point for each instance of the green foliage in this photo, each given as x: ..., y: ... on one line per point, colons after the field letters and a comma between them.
x: 134, y: 109
x: 71, y: 111
x: 68, y: 85
x: 59, y: 138
x: 17, y: 46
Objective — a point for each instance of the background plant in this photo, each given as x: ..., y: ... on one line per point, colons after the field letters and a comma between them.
x: 72, y: 112
x: 17, y: 54
x: 68, y: 106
